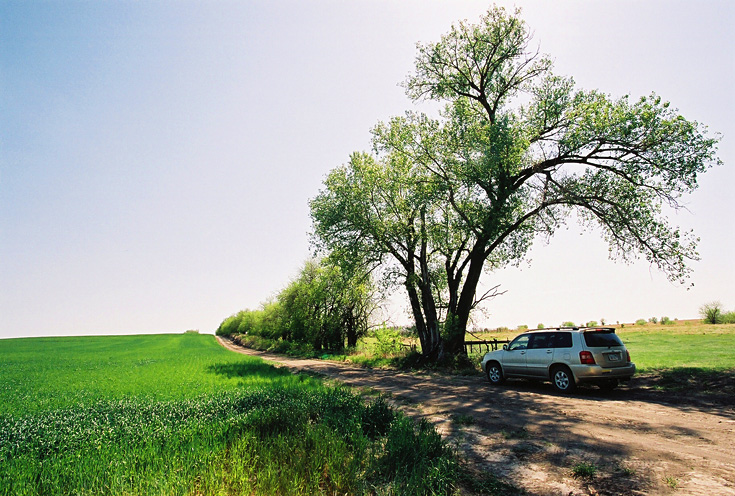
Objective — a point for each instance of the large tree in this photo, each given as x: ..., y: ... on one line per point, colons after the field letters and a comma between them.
x: 515, y: 151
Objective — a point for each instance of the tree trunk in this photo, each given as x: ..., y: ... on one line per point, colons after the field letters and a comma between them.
x: 456, y: 324
x: 427, y: 328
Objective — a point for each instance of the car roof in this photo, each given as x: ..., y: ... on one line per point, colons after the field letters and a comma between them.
x: 577, y: 329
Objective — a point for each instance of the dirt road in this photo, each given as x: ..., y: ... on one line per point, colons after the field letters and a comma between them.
x: 532, y: 437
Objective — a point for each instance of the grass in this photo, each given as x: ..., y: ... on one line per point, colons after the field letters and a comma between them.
x: 179, y: 415
x: 703, y: 346
x: 584, y: 470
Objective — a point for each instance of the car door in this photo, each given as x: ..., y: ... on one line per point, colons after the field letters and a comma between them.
x: 539, y: 354
x: 514, y: 358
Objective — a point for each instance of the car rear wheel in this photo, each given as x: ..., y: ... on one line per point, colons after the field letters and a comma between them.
x: 562, y: 379
x: 495, y: 373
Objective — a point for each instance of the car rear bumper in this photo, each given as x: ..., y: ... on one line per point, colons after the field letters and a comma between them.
x: 593, y: 373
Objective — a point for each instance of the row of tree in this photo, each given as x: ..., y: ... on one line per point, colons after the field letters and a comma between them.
x: 325, y: 306
x: 516, y: 150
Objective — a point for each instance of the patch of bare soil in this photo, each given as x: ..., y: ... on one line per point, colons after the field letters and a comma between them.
x: 639, y: 440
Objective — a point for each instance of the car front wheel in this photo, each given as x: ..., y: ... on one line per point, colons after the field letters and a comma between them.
x: 562, y: 379
x: 495, y: 374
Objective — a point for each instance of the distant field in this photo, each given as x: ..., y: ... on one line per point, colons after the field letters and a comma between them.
x: 180, y: 415
x: 692, y: 345
x: 47, y: 373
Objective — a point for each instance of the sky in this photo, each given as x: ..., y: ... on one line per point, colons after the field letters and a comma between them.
x: 157, y: 158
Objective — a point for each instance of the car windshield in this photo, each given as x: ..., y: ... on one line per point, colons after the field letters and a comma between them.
x: 602, y: 339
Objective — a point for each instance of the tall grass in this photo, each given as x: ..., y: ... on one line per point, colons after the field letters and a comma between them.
x: 179, y: 415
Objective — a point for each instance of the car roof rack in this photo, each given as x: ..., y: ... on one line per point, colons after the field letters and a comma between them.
x: 574, y: 328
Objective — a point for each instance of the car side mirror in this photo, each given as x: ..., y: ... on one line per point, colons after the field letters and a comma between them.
x: 505, y: 347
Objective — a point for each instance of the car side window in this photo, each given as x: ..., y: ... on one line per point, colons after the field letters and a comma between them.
x: 519, y: 343
x: 541, y: 341
x: 562, y: 340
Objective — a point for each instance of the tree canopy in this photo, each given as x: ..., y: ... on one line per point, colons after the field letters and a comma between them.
x: 514, y: 152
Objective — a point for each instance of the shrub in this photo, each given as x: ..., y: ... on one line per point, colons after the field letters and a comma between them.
x: 711, y: 312
x: 388, y: 341
x: 640, y: 322
x: 592, y: 323
x: 523, y: 327
x: 665, y: 321
x: 568, y: 324
x: 653, y: 320
x: 539, y: 326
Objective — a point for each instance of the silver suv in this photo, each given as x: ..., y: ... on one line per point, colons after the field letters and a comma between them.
x: 565, y: 356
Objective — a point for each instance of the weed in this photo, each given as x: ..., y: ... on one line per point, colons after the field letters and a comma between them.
x: 672, y: 482
x: 521, y: 433
x: 463, y: 419
x: 584, y: 470
x: 627, y: 471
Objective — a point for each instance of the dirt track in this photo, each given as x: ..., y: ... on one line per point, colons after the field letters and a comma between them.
x: 531, y: 436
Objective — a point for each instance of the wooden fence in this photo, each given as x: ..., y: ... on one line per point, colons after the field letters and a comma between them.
x: 488, y: 344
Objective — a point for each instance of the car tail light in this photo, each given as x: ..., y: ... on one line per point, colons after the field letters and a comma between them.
x: 586, y: 358
x: 627, y: 355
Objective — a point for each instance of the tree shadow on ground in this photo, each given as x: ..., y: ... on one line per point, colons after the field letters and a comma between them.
x: 248, y: 369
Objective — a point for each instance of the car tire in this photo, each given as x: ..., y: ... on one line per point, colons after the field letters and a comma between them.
x: 562, y: 379
x: 495, y: 373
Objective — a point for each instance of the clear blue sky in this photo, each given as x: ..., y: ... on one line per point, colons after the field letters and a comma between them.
x: 157, y: 158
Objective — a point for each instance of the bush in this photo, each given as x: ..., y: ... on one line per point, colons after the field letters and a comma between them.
x: 665, y: 321
x: 388, y: 341
x: 653, y: 320
x: 539, y: 326
x: 640, y: 322
x: 568, y: 324
x: 711, y: 312
x: 592, y: 323
x: 728, y: 318
x: 523, y: 327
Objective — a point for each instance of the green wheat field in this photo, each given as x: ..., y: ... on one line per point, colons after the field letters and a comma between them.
x: 180, y: 415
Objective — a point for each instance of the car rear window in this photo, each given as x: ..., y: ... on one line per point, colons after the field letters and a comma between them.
x: 562, y: 340
x: 602, y: 339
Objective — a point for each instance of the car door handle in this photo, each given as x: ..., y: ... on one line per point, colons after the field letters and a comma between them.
x: 549, y: 352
